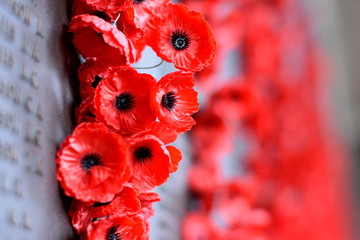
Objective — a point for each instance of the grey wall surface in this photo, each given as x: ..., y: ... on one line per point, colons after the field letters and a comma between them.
x: 35, y: 102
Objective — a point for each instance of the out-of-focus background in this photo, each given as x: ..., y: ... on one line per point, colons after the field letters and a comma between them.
x: 336, y: 23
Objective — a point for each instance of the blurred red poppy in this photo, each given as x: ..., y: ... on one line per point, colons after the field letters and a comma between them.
x: 199, y: 226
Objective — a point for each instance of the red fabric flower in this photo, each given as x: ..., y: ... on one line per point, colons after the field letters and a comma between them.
x: 92, y: 164
x: 84, y: 213
x: 113, y: 6
x: 161, y: 131
x: 182, y: 37
x: 167, y: 136
x: 85, y: 112
x: 80, y: 7
x: 176, y: 101
x: 151, y: 161
x: 134, y: 33
x: 94, y: 37
x: 147, y: 199
x: 143, y: 10
x: 90, y: 73
x: 122, y: 100
x: 124, y: 227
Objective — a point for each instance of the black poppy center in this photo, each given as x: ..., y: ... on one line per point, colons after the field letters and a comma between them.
x: 180, y: 40
x: 96, y: 81
x: 168, y: 100
x: 125, y: 102
x: 143, y: 154
x: 112, y: 235
x: 138, y: 1
x: 90, y: 160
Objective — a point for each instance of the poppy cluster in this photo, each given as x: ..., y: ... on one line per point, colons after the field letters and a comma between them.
x: 119, y: 151
x: 268, y: 164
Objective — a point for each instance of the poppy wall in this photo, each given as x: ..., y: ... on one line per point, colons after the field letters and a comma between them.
x: 229, y: 98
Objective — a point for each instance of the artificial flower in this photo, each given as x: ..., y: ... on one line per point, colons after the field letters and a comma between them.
x: 182, y: 37
x: 90, y: 73
x: 144, y: 10
x: 124, y: 227
x: 151, y: 161
x: 93, y: 37
x: 133, y: 33
x: 85, y: 112
x: 161, y: 131
x: 176, y: 101
x: 122, y: 100
x: 92, y: 163
x: 80, y: 7
x: 112, y: 6
x: 84, y: 213
x: 147, y: 199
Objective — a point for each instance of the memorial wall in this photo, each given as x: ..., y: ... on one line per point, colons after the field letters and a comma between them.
x: 35, y: 111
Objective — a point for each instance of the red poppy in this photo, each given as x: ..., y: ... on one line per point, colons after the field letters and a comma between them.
x: 182, y: 37
x: 166, y: 135
x: 211, y: 124
x: 204, y: 179
x: 124, y: 227
x: 147, y: 199
x: 134, y: 33
x: 90, y: 73
x: 95, y: 38
x: 161, y: 131
x: 84, y: 213
x: 85, y: 112
x: 143, y: 10
x: 92, y: 164
x: 246, y: 234
x: 151, y: 161
x: 176, y: 101
x: 122, y: 100
x: 235, y: 210
x: 112, y: 6
x: 199, y: 226
x: 234, y: 101
x: 80, y: 7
